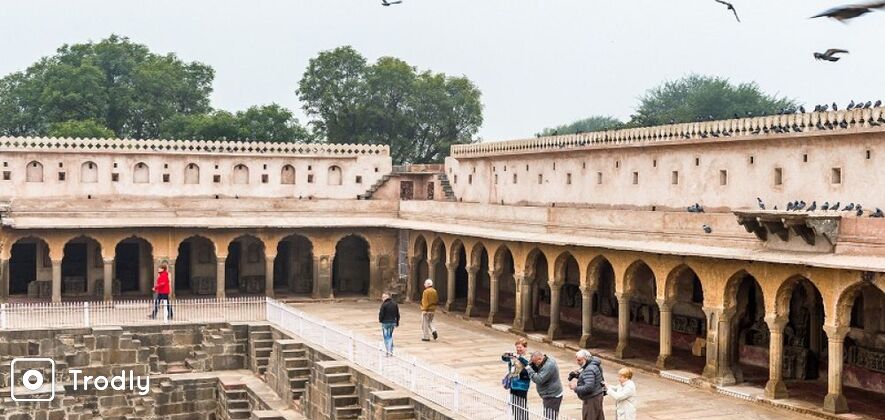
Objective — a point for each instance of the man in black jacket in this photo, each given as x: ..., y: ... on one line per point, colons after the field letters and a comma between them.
x: 388, y: 316
x: 589, y: 384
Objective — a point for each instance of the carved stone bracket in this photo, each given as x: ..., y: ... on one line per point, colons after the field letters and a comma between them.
x: 804, y: 225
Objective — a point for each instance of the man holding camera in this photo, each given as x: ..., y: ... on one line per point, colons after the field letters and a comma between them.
x: 589, y: 385
x: 544, y: 372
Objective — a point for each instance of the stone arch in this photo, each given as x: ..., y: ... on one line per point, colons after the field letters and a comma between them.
x: 458, y: 290
x: 567, y: 276
x: 195, y: 266
x: 748, y: 335
x: 799, y: 302
x: 88, y: 173
x: 351, y: 266
x: 133, y: 265
x: 675, y: 284
x: 844, y: 314
x: 141, y: 173
x: 420, y: 266
x: 81, y: 264
x: 600, y: 279
x: 245, y: 267
x: 30, y: 268
x: 192, y: 173
x: 240, y: 175
x: 34, y: 172
x: 287, y: 175
x: 481, y: 262
x: 636, y: 278
x: 294, y: 265
x: 505, y: 267
x: 334, y: 176
x: 860, y: 314
x: 438, y: 255
x: 536, y: 273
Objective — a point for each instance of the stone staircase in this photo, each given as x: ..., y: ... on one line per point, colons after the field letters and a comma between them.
x: 374, y: 188
x: 446, y: 187
x: 260, y: 346
x: 288, y: 370
x: 345, y: 400
x: 233, y: 400
x: 392, y: 405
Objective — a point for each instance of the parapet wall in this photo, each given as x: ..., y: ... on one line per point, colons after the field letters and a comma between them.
x: 824, y: 157
x: 49, y: 167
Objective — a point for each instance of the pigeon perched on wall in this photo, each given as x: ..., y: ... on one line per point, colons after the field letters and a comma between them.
x: 835, y: 207
x: 707, y: 229
x: 826, y: 206
x: 878, y: 214
x: 813, y: 206
x: 761, y: 204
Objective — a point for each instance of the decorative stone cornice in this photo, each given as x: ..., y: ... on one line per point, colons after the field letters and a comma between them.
x: 123, y: 146
x: 781, y: 224
x: 812, y: 123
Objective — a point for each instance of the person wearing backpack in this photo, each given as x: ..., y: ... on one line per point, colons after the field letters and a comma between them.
x: 589, y: 384
x: 517, y: 379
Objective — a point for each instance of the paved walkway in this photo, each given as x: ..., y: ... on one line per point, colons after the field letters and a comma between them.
x: 474, y: 351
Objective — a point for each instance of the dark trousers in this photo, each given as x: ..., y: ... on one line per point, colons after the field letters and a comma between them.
x: 551, y: 407
x: 592, y: 409
x: 518, y: 404
x: 162, y: 296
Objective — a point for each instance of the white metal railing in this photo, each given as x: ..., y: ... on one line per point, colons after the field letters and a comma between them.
x: 129, y: 312
x: 432, y: 382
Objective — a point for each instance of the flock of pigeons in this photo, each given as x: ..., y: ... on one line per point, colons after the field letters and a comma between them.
x: 800, y: 205
x: 842, y: 14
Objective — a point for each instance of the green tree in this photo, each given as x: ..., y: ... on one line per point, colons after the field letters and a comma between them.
x: 586, y: 125
x: 696, y: 97
x: 116, y: 83
x: 265, y: 123
x: 87, y: 129
x: 419, y: 115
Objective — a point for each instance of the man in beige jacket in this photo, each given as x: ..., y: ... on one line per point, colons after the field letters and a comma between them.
x: 429, y: 300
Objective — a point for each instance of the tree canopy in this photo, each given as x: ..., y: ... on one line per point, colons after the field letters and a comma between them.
x: 696, y: 97
x: 418, y: 114
x: 586, y: 125
x: 118, y: 88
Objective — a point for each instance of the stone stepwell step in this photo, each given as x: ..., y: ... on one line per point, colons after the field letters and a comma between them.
x: 351, y: 412
x: 345, y: 400
x: 399, y: 412
x: 342, y: 389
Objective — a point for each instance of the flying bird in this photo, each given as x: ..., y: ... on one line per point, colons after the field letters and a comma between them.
x: 388, y: 3
x: 730, y: 7
x: 845, y: 13
x: 829, y: 55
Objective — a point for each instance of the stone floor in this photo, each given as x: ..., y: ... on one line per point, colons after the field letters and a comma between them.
x: 474, y: 351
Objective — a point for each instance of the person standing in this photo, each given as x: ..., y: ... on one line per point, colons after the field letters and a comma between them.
x: 161, y: 288
x: 517, y: 379
x: 544, y: 372
x: 388, y: 316
x: 589, y: 385
x: 624, y: 395
x: 429, y: 301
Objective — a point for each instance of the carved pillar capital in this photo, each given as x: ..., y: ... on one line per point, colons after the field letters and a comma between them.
x: 776, y: 323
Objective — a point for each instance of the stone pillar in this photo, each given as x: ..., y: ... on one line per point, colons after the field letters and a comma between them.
x: 665, y: 360
x: 431, y: 274
x: 775, y: 388
x: 586, y: 317
x: 522, y: 320
x: 494, y: 278
x: 623, y: 350
x: 322, y: 276
x: 170, y: 267
x: 835, y: 401
x: 725, y: 340
x: 219, y: 277
x: 268, y: 275
x: 471, y: 290
x: 56, y: 280
x: 450, y: 285
x: 4, y: 280
x: 554, y: 332
x: 108, y: 280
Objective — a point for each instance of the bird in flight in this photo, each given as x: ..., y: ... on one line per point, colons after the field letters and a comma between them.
x: 730, y: 7
x: 851, y: 11
x: 388, y: 3
x: 830, y: 55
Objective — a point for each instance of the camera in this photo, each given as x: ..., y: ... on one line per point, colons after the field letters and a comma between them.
x: 573, y: 375
x: 508, y: 355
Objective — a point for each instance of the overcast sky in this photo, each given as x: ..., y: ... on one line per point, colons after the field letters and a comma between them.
x: 538, y: 63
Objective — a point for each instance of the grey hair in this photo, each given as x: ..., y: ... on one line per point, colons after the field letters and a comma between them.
x: 583, y: 354
x: 537, y: 353
x: 428, y: 283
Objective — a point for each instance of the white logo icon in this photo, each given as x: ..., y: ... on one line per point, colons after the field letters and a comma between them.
x: 32, y: 379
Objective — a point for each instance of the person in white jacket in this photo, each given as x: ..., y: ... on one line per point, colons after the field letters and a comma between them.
x: 624, y: 395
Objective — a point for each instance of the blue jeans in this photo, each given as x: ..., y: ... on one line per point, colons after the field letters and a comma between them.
x: 387, y: 333
x: 162, y: 296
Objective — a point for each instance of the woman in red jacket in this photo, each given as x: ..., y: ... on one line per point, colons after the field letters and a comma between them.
x: 161, y: 287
